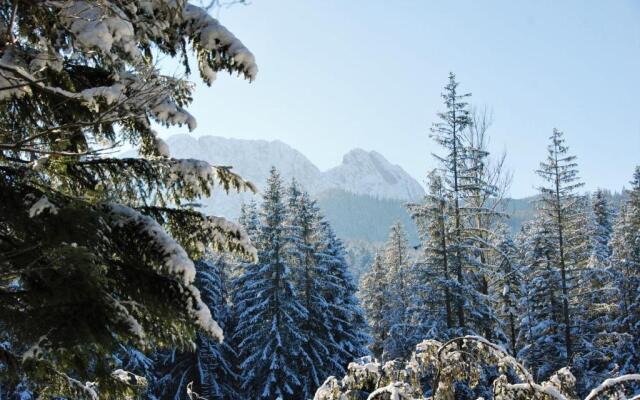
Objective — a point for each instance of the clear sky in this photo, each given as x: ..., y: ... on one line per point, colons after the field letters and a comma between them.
x: 335, y: 75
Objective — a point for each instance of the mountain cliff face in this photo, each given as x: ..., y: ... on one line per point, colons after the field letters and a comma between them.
x: 361, y: 172
x: 252, y: 159
x: 369, y: 173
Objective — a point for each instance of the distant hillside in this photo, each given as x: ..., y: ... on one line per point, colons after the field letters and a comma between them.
x: 364, y: 218
x: 520, y: 211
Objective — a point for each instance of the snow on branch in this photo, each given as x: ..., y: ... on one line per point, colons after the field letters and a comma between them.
x: 99, y: 25
x: 457, y: 360
x: 175, y: 262
x: 210, y: 35
x: 608, y: 384
x: 42, y: 205
x: 395, y: 391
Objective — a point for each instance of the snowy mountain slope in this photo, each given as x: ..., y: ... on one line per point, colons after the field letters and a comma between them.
x: 252, y: 159
x: 369, y: 173
x: 361, y: 172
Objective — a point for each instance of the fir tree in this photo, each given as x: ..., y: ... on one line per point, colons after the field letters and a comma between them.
x: 540, y: 340
x: 432, y: 306
x: 509, y: 299
x: 374, y: 291
x: 250, y: 220
x: 472, y: 185
x: 96, y: 249
x: 560, y: 206
x: 269, y: 314
x: 310, y: 280
x: 397, y: 263
x: 346, y: 317
x: 208, y: 370
x: 484, y: 185
x: 603, y: 221
x: 625, y: 261
x: 449, y: 134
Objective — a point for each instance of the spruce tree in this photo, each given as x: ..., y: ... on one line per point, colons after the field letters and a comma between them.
x: 96, y: 249
x: 473, y: 186
x: 603, y: 221
x: 540, y: 340
x: 449, y: 134
x: 625, y: 262
x: 374, y: 291
x: 397, y: 263
x: 432, y: 308
x: 310, y: 281
x: 269, y: 315
x: 484, y: 185
x: 207, y: 370
x: 346, y: 317
x: 559, y: 204
x: 509, y: 299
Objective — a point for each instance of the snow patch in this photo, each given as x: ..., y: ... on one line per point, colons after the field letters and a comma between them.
x: 42, y: 205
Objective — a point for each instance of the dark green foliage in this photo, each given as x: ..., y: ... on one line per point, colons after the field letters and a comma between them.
x: 94, y: 250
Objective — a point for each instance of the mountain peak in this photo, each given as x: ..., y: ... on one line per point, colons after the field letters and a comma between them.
x: 369, y: 172
x: 361, y: 172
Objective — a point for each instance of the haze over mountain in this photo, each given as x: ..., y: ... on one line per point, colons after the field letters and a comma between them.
x: 360, y: 173
x: 361, y: 197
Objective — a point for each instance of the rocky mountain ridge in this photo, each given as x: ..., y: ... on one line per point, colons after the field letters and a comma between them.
x: 361, y: 172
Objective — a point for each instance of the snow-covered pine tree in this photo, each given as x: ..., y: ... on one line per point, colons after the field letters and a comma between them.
x: 509, y: 279
x: 603, y: 224
x: 97, y: 250
x: 310, y: 278
x: 346, y: 317
x: 540, y: 337
x: 593, y: 299
x: 601, y: 346
x: 397, y: 261
x: 625, y: 260
x: 374, y: 292
x: 449, y: 133
x: 483, y: 185
x: 208, y: 369
x: 432, y: 306
x: 560, y: 206
x: 269, y: 314
x: 249, y: 219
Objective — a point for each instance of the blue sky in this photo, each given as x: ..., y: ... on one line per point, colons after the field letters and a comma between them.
x: 335, y: 75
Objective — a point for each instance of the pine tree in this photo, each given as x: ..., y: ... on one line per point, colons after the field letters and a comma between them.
x: 374, y: 291
x: 96, y: 249
x: 449, y: 134
x: 484, y: 185
x: 310, y: 280
x: 603, y: 220
x: 509, y: 299
x: 269, y: 314
x: 560, y: 206
x: 625, y: 262
x: 472, y: 185
x: 346, y: 317
x: 397, y: 262
x: 540, y: 340
x: 432, y: 306
x: 249, y: 219
x: 208, y: 370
